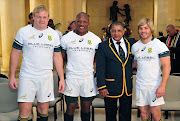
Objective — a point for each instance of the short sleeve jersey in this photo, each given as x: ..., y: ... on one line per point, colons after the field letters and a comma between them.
x: 148, y: 62
x: 37, y: 47
x: 80, y: 52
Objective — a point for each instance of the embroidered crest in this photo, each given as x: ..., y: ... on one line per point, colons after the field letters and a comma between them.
x: 49, y: 37
x: 89, y: 42
x: 149, y: 50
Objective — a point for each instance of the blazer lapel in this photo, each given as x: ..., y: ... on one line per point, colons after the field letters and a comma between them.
x: 128, y: 49
x: 113, y: 49
x: 113, y: 46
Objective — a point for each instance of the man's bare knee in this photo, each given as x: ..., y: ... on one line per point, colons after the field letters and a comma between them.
x: 144, y: 112
x: 156, y: 112
x: 43, y: 107
x: 25, y: 109
x: 71, y: 107
x: 85, y: 106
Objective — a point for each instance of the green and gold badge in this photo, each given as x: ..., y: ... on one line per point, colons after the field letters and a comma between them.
x: 49, y: 37
x: 89, y: 42
x: 149, y: 50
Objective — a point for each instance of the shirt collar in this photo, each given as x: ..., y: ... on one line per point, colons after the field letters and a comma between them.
x: 121, y: 40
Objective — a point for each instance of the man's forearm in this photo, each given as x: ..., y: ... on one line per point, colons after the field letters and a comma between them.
x: 166, y: 68
x: 14, y: 58
x: 165, y: 75
x: 58, y: 62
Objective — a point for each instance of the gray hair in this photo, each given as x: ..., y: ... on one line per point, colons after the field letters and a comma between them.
x: 116, y: 23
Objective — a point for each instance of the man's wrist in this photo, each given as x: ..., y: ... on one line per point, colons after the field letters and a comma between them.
x: 162, y: 85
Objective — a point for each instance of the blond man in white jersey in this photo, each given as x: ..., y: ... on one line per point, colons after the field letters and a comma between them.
x: 40, y: 46
x: 149, y: 54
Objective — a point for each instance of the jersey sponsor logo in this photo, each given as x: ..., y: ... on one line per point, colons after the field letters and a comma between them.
x: 40, y: 35
x: 41, y: 45
x: 89, y: 42
x: 82, y: 49
x: 23, y: 97
x: 145, y: 58
x: 49, y: 37
x: 150, y: 50
x: 32, y: 37
x: 73, y: 42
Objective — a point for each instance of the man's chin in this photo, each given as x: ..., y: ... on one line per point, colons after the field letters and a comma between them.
x: 143, y: 37
x: 117, y: 39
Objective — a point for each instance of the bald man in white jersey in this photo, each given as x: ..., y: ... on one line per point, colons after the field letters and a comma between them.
x: 79, y: 46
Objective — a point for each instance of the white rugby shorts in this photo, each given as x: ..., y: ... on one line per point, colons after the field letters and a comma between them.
x: 41, y: 87
x: 85, y: 87
x: 147, y: 97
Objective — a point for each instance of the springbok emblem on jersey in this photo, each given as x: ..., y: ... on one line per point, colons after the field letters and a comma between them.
x: 73, y: 41
x: 24, y: 96
x: 137, y: 100
x: 69, y: 90
x: 32, y: 37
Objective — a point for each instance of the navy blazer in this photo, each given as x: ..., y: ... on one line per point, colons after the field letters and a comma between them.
x: 112, y: 73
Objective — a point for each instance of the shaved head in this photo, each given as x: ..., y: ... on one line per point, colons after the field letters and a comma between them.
x: 82, y: 14
x: 82, y: 23
x: 171, y: 30
x: 170, y: 26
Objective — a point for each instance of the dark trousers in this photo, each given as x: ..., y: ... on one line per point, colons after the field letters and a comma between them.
x: 124, y: 110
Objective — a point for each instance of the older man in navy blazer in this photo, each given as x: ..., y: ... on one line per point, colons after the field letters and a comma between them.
x: 114, y: 73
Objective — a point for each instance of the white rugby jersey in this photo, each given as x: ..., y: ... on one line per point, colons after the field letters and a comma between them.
x: 80, y: 52
x: 148, y: 62
x: 37, y: 47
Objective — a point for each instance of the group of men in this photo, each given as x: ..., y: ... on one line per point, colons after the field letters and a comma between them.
x: 115, y: 59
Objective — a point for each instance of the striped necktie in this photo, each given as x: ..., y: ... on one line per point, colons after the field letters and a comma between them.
x: 121, y: 52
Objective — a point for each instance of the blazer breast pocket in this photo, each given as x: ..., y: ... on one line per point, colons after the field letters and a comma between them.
x: 110, y: 79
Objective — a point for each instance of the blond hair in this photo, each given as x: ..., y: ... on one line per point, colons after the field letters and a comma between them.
x: 147, y: 21
x: 39, y: 9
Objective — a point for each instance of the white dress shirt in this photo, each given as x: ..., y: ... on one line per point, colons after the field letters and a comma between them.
x: 122, y: 44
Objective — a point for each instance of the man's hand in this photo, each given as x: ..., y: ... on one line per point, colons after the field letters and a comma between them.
x: 160, y: 91
x: 104, y: 92
x: 169, y: 47
x: 61, y: 86
x: 13, y: 83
